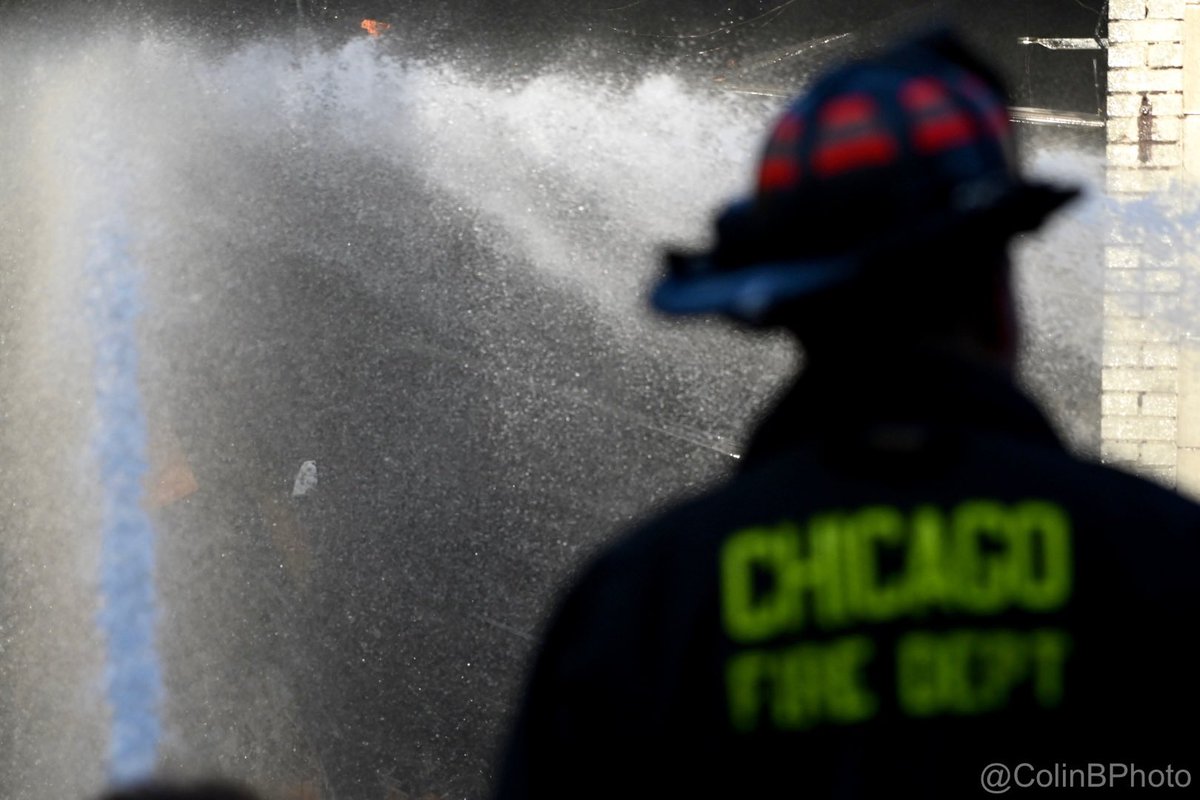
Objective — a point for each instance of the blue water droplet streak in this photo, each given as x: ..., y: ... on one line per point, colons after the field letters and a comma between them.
x: 133, y: 674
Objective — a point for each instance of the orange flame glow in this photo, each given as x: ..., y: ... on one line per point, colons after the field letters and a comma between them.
x: 374, y: 27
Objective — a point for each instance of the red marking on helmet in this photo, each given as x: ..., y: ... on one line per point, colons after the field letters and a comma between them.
x: 788, y: 130
x: 849, y: 110
x: 921, y: 94
x: 872, y: 149
x: 943, y: 132
x: 778, y: 173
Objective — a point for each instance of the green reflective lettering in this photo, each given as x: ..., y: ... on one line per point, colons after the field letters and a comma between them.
x: 849, y: 699
x: 1001, y: 663
x: 916, y: 678
x: 820, y: 576
x: 748, y: 614
x: 927, y: 569
x: 1050, y: 648
x: 980, y: 574
x: 799, y: 697
x: 1044, y: 571
x: 745, y: 687
x: 875, y: 530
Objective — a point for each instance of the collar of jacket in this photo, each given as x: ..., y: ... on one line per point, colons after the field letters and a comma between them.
x: 934, y: 390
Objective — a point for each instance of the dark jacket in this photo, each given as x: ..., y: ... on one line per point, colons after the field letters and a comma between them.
x: 909, y: 579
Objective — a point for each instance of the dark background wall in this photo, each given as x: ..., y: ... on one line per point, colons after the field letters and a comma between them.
x: 703, y: 34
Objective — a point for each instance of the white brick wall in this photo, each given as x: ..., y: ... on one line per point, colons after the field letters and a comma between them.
x: 1160, y: 405
x: 1129, y: 105
x: 1163, y: 280
x: 1160, y: 306
x: 1122, y: 354
x: 1157, y: 454
x: 1133, y: 180
x: 1163, y: 129
x: 1161, y: 154
x: 1137, y: 354
x: 1138, y: 379
x: 1145, y: 79
x: 1191, y: 146
x: 1124, y: 329
x: 1123, y: 257
x: 1141, y: 372
x: 1138, y: 429
x: 1124, y: 404
x: 1128, y: 54
x: 1146, y: 30
x: 1126, y: 9
x: 1165, y: 9
x: 1120, y: 452
x: 1160, y: 355
x: 1162, y: 55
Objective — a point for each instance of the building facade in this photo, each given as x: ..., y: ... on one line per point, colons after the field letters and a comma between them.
x: 1150, y: 417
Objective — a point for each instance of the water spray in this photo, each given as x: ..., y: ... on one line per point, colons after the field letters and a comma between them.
x: 249, y: 174
x: 133, y: 676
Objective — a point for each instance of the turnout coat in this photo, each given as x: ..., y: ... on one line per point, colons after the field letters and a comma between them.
x: 910, y: 588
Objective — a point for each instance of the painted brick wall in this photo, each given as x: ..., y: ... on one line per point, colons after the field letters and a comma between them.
x: 1142, y: 418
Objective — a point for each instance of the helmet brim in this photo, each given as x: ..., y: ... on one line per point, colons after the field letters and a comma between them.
x: 746, y: 293
x: 695, y: 284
